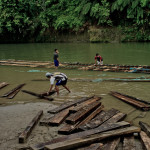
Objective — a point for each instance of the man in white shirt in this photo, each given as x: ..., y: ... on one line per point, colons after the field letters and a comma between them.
x: 60, y: 78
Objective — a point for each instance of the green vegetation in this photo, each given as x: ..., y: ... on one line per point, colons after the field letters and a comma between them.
x: 29, y: 20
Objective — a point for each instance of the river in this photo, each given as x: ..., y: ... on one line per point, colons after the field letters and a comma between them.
x: 122, y: 53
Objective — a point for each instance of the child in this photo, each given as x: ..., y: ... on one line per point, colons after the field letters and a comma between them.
x: 99, y: 59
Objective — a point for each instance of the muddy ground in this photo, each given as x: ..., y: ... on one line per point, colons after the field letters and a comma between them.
x: 15, y: 118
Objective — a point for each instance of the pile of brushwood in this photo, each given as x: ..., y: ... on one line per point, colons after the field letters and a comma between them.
x: 86, y: 124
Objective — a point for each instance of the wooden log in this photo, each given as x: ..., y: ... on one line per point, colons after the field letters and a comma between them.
x: 78, y: 116
x: 145, y: 127
x: 111, y: 144
x: 69, y: 104
x: 78, y: 142
x: 137, y: 99
x: 11, y: 96
x: 100, y: 129
x: 129, y: 143
x: 3, y: 84
x: 94, y: 146
x: 67, y: 128
x: 117, y: 117
x: 37, y: 95
x: 24, y: 135
x: 60, y: 117
x: 131, y: 101
x: 145, y: 140
x: 78, y: 107
x: 13, y: 90
x: 100, y: 119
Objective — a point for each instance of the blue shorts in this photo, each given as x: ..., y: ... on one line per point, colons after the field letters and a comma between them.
x: 60, y: 82
x: 56, y: 62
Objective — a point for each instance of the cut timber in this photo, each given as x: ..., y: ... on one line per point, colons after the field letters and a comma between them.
x: 24, y: 135
x: 145, y: 139
x: 78, y: 142
x: 117, y: 117
x: 99, y: 119
x: 3, y: 84
x: 94, y: 146
x: 129, y: 143
x: 69, y: 104
x: 145, y: 127
x: 90, y: 101
x: 111, y: 144
x: 100, y: 129
x: 137, y: 99
x: 37, y: 95
x: 13, y: 90
x: 131, y: 101
x: 60, y: 117
x: 78, y: 116
x: 67, y: 128
x: 11, y: 96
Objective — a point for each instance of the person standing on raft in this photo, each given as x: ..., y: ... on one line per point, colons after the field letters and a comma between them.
x: 98, y: 59
x: 56, y: 61
x: 60, y: 78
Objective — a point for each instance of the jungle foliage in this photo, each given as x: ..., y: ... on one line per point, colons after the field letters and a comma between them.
x: 24, y: 18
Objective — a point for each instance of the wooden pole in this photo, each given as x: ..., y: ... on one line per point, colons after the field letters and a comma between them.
x: 37, y: 95
x: 24, y: 135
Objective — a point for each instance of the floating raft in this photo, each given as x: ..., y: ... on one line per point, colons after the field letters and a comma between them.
x: 144, y: 105
x: 81, y: 66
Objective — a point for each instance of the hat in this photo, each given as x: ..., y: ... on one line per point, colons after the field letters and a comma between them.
x: 48, y: 74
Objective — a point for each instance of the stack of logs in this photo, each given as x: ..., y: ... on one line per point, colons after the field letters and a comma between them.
x: 88, y: 126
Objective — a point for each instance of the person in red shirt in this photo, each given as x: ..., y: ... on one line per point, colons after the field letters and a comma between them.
x: 98, y: 59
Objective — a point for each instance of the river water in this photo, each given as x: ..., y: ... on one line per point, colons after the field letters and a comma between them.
x: 122, y: 53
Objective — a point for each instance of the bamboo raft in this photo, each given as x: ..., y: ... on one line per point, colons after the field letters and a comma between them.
x: 80, y: 66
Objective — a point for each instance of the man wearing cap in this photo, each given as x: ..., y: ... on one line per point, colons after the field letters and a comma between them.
x: 60, y: 78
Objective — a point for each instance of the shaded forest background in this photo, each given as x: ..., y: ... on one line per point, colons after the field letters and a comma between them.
x: 93, y: 20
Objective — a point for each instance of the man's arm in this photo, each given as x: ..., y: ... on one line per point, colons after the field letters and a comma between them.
x: 50, y: 89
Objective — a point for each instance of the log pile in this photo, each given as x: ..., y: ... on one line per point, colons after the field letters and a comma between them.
x: 90, y: 126
x: 118, y: 68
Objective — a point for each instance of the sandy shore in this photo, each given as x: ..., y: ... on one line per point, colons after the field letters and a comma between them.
x: 14, y: 120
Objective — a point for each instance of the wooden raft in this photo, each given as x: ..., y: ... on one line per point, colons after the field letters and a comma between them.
x: 131, y: 101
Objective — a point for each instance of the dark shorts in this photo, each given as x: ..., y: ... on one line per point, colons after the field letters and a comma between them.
x: 60, y: 82
x: 56, y: 63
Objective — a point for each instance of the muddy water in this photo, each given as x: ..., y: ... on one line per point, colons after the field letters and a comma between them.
x: 18, y: 75
x: 17, y: 116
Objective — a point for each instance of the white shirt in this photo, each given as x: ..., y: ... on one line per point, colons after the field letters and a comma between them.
x: 57, y: 76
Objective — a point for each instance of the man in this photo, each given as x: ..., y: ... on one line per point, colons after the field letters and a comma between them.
x: 56, y: 61
x: 99, y: 59
x: 60, y: 78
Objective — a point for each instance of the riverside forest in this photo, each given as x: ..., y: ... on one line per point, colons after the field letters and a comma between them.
x: 87, y: 20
